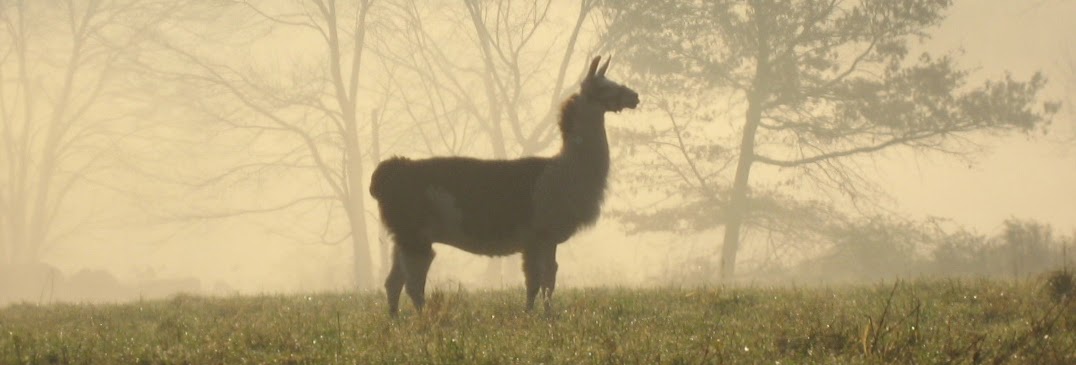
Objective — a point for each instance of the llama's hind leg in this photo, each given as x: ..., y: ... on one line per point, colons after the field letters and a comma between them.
x: 416, y: 262
x: 395, y: 282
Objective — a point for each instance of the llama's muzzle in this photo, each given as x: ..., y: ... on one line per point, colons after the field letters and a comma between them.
x: 630, y: 100
x: 633, y: 100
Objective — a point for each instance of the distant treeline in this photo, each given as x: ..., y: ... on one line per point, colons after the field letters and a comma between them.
x: 887, y: 248
x: 882, y: 247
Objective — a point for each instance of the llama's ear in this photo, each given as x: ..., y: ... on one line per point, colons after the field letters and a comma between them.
x: 593, y: 67
x: 605, y: 66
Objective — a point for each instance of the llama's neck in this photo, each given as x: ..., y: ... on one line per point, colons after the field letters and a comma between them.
x: 569, y: 193
x: 584, y: 142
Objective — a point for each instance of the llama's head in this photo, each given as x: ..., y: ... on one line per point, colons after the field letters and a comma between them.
x: 612, y: 96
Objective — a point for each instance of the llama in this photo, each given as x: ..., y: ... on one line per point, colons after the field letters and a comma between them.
x: 501, y: 207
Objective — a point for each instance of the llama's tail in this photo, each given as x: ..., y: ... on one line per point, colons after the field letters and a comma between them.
x: 386, y: 172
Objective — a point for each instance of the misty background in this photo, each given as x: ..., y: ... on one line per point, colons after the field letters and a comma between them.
x: 224, y: 147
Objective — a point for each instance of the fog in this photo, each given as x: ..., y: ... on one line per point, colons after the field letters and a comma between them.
x: 152, y: 148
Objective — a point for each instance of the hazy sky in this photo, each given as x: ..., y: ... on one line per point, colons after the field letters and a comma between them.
x: 1019, y: 178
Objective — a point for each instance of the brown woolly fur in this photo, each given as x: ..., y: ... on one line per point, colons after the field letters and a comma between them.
x: 562, y: 123
x: 495, y: 194
x: 501, y: 207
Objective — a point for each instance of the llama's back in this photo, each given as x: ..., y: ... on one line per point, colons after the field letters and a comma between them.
x: 484, y: 200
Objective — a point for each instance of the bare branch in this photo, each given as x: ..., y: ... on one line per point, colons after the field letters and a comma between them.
x: 272, y: 209
x: 849, y: 152
x: 217, y: 78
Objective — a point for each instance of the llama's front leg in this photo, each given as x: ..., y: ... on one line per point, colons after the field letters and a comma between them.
x: 532, y: 272
x: 540, y: 268
x: 417, y: 265
x: 549, y: 276
x: 395, y: 282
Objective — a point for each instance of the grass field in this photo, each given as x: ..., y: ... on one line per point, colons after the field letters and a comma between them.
x: 946, y: 321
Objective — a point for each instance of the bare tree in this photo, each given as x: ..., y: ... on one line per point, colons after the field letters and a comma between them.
x: 65, y: 104
x: 299, y: 118
x: 822, y: 82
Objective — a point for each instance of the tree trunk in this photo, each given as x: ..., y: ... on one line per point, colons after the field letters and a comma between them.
x: 495, y: 265
x: 363, y: 272
x: 356, y: 209
x: 383, y: 243
x: 346, y: 92
x: 20, y: 182
x: 739, y: 203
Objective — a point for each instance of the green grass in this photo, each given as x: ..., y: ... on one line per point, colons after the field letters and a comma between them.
x: 919, y: 322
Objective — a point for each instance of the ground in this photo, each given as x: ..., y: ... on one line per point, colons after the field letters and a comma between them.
x: 937, y: 321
